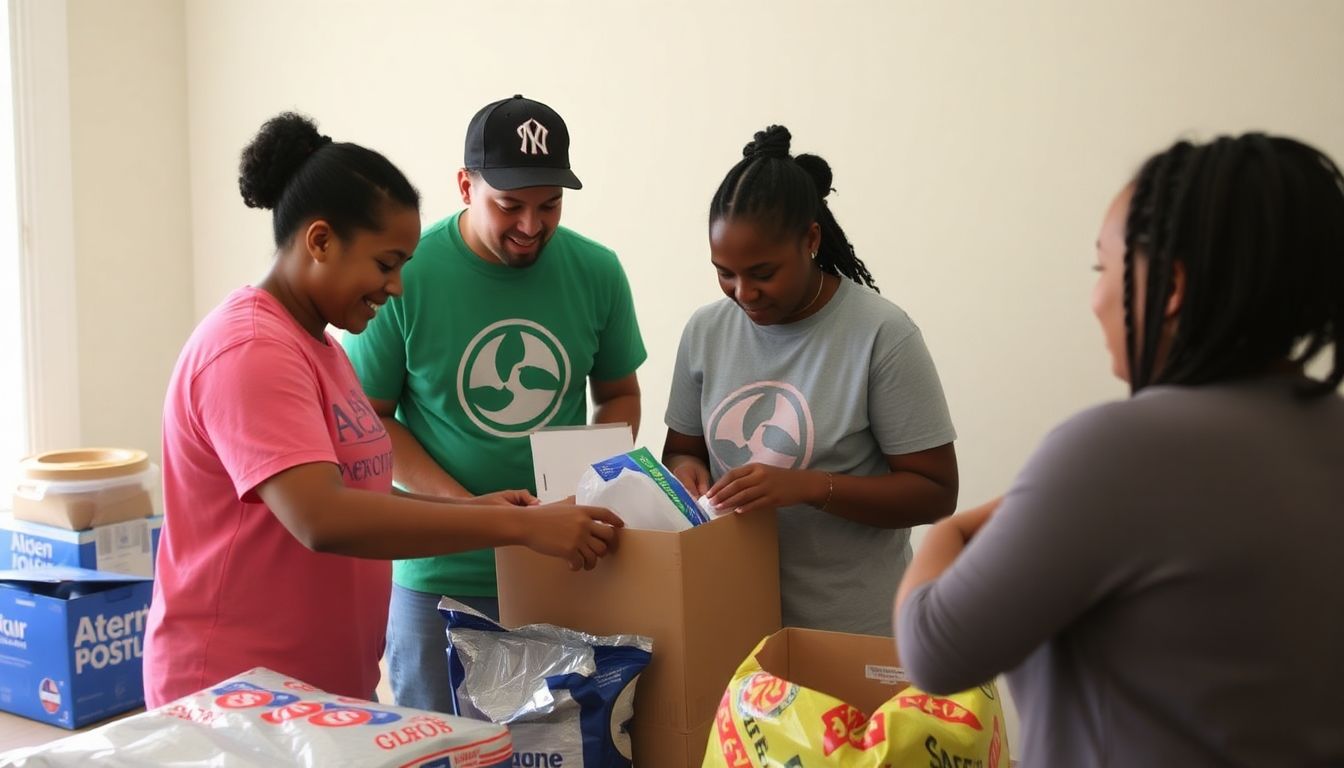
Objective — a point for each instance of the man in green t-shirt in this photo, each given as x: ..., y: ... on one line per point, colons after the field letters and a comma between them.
x: 504, y: 317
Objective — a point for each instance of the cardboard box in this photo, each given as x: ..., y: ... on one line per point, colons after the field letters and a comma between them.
x: 71, y: 641
x: 130, y: 547
x: 561, y: 454
x: 672, y: 747
x: 81, y: 511
x: 860, y: 670
x: 706, y: 596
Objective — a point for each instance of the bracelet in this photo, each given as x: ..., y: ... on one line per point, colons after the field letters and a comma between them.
x: 830, y: 489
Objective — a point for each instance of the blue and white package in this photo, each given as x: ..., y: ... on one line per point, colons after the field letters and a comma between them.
x: 639, y: 489
x: 129, y: 547
x: 71, y: 643
x: 566, y: 696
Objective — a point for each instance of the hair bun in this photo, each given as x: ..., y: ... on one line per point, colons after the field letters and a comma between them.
x: 819, y: 170
x: 772, y: 142
x: 274, y: 156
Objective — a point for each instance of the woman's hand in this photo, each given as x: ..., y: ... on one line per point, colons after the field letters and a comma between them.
x: 969, y: 522
x: 754, y: 487
x: 578, y: 535
x: 693, y: 474
x: 942, y: 545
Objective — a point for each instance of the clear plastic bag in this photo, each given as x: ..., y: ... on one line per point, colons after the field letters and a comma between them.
x: 566, y: 696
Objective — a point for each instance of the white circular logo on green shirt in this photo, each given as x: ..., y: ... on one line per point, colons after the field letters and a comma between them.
x: 513, y: 377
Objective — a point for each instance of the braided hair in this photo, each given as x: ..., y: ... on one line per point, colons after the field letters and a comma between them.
x: 299, y: 175
x: 786, y: 194
x: 1257, y: 222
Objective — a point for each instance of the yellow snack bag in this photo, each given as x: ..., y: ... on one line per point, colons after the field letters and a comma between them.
x: 803, y: 698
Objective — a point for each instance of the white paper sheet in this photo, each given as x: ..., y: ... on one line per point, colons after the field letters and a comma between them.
x: 560, y: 455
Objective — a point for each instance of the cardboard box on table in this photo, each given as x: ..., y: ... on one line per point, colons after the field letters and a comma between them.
x: 861, y: 670
x: 706, y: 596
x: 862, y: 673
x: 71, y: 641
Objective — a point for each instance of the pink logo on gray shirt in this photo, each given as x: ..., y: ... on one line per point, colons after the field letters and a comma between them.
x: 765, y: 422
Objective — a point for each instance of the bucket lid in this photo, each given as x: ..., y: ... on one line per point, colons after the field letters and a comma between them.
x: 84, y: 464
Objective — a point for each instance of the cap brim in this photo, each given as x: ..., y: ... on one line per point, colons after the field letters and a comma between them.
x: 519, y: 178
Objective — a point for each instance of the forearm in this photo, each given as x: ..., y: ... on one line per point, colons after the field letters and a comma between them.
x: 414, y: 469
x: 466, y: 501
x: 367, y: 524
x: 892, y: 500
x: 941, y: 546
x: 619, y: 410
x: 922, y: 638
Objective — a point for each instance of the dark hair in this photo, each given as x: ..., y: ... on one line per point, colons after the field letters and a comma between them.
x: 1258, y: 223
x: 301, y: 175
x: 787, y: 194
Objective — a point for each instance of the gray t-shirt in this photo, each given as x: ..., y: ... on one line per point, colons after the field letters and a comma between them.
x: 834, y: 392
x: 1162, y: 581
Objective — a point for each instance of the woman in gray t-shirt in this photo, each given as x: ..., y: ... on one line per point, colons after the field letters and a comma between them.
x: 804, y: 391
x: 1161, y: 581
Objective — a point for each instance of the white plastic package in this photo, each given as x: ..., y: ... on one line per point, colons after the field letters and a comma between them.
x: 641, y: 491
x: 263, y: 718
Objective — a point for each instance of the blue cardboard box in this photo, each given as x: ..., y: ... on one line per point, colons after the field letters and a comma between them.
x: 71, y: 641
x: 128, y: 547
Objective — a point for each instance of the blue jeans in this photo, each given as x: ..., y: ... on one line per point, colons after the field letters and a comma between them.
x: 417, y: 647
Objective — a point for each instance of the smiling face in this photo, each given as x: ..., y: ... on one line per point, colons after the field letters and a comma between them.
x: 508, y: 226
x: 359, y: 273
x: 770, y: 277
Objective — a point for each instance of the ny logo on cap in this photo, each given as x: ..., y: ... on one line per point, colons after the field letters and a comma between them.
x: 533, y: 135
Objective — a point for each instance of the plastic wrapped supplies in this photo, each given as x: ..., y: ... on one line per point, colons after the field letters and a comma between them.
x: 566, y: 697
x: 641, y: 491
x: 262, y: 718
x: 807, y: 697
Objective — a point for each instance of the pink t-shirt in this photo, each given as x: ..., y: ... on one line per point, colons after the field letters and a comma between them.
x: 252, y: 395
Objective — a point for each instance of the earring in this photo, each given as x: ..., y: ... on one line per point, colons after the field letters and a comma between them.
x: 814, y: 255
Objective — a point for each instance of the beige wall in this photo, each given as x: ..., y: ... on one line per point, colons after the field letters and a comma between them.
x: 975, y: 145
x: 128, y: 128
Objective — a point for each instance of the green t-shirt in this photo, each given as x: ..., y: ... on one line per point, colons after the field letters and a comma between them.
x: 480, y: 355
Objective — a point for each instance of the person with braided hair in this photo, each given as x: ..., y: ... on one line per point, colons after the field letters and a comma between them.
x: 805, y: 391
x: 1158, y: 583
x: 277, y: 473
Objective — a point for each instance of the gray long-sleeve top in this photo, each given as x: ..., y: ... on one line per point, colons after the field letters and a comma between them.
x: 1162, y: 585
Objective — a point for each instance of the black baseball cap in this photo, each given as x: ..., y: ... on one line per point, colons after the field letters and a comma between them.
x: 518, y: 142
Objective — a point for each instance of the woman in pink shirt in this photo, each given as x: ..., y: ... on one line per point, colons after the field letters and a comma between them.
x: 280, y: 512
